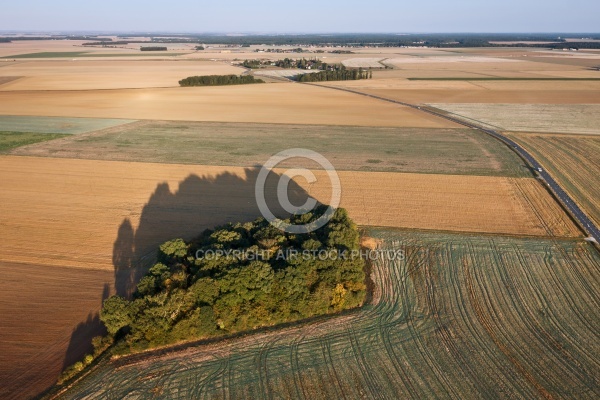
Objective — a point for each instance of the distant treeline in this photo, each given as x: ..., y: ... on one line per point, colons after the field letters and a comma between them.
x: 562, y: 45
x: 5, y: 40
x: 341, y: 74
x: 375, y: 39
x: 104, y: 43
x: 219, y: 80
x: 56, y: 37
x: 358, y: 40
x: 153, y: 48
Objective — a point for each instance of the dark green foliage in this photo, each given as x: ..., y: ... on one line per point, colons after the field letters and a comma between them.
x: 254, y: 281
x: 219, y: 80
x: 116, y: 314
x: 106, y: 43
x: 173, y: 249
x: 153, y: 48
x: 339, y: 73
x: 254, y: 64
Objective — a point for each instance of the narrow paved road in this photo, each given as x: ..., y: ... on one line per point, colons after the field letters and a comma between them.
x: 588, y: 226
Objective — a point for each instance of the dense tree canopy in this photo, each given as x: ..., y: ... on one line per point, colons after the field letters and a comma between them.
x: 239, y: 277
x: 219, y: 80
x: 153, y: 48
x: 337, y: 74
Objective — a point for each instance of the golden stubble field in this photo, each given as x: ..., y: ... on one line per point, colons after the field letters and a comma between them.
x: 573, y: 160
x: 72, y: 209
x: 86, y: 74
x: 271, y: 103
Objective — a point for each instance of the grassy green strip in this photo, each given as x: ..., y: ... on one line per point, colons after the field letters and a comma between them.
x: 12, y: 140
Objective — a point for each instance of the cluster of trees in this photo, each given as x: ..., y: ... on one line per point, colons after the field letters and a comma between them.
x: 301, y: 63
x: 338, y: 74
x: 286, y: 63
x: 255, y: 64
x: 186, y: 296
x: 219, y: 80
x: 153, y: 48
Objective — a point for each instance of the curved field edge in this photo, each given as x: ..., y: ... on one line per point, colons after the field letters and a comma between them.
x: 459, y: 316
x: 573, y: 160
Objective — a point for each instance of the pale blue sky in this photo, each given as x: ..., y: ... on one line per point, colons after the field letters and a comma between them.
x: 303, y: 16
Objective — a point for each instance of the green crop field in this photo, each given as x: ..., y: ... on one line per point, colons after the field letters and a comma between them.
x: 12, y: 140
x: 445, y: 151
x: 16, y: 123
x: 458, y: 317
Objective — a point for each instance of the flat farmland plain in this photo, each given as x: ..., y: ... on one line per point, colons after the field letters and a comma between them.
x: 99, y: 222
x: 574, y: 161
x: 556, y: 118
x: 85, y: 74
x: 267, y: 103
x: 459, y: 316
x: 57, y: 203
x: 490, y: 97
x: 441, y: 151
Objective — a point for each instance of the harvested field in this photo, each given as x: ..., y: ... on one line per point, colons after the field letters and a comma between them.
x: 103, y: 219
x: 57, y: 203
x: 441, y: 151
x: 582, y: 118
x: 72, y: 126
x: 574, y: 161
x: 272, y: 103
x: 446, y: 59
x: 101, y: 74
x: 363, y: 63
x: 517, y: 97
x: 473, y: 83
x: 448, y: 202
x: 459, y: 316
x: 7, y: 79
x: 41, y: 308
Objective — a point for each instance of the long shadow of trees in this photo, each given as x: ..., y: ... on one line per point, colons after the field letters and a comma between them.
x: 199, y: 203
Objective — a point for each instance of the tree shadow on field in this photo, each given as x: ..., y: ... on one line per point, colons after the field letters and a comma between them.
x: 199, y: 203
